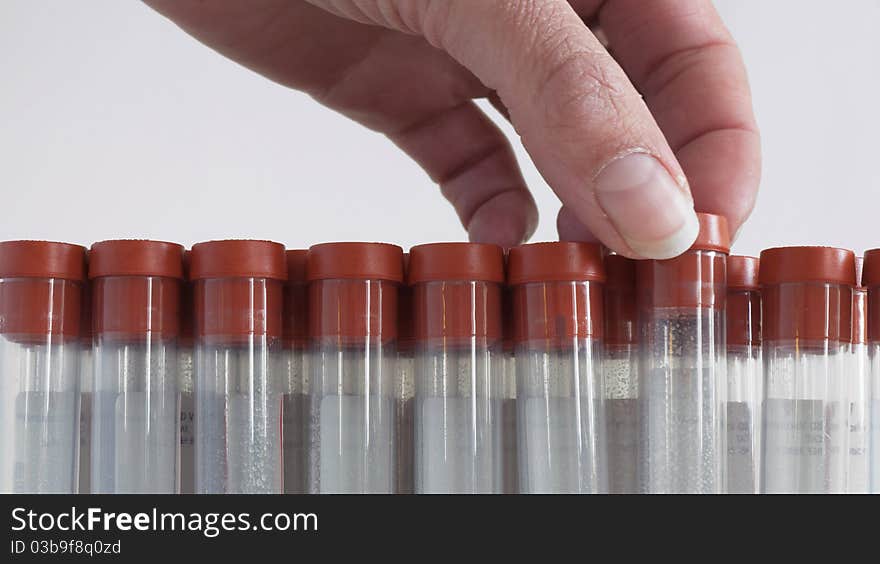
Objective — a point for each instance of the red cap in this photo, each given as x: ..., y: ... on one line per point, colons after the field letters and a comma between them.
x: 355, y: 261
x: 136, y: 288
x: 437, y: 262
x: 238, y: 259
x: 40, y: 290
x: 714, y: 234
x: 445, y: 303
x: 353, y: 291
x: 226, y: 303
x: 796, y: 303
x: 42, y: 259
x: 555, y: 262
x: 621, y: 313
x: 129, y: 257
x: 547, y: 307
x: 85, y: 309
x: 742, y: 273
x: 694, y: 279
x: 296, y: 321
x: 871, y: 281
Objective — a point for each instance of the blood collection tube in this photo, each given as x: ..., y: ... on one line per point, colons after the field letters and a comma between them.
x: 558, y: 307
x: 683, y: 364
x: 404, y: 387
x: 621, y: 366
x: 871, y: 280
x: 807, y: 302
x: 457, y: 297
x: 353, y: 290
x: 185, y: 384
x: 86, y: 375
x: 135, y: 404
x: 510, y: 457
x: 745, y: 383
x: 859, y: 393
x: 239, y: 379
x: 296, y: 394
x: 40, y: 293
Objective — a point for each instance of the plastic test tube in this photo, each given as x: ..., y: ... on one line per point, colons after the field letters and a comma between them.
x: 457, y: 296
x: 86, y: 375
x: 807, y: 295
x: 510, y: 457
x: 185, y: 385
x: 296, y: 394
x: 239, y: 379
x: 558, y: 307
x: 741, y: 411
x: 405, y: 388
x: 871, y: 280
x: 858, y: 393
x: 353, y: 327
x: 621, y: 373
x: 135, y: 403
x: 683, y: 364
x: 40, y: 293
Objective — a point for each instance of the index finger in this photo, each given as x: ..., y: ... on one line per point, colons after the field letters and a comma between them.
x: 682, y: 58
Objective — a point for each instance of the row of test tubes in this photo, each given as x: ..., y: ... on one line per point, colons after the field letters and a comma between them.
x: 237, y: 367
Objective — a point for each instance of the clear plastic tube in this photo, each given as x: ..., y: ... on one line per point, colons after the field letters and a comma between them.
x: 874, y: 445
x: 805, y: 434
x: 683, y: 366
x: 807, y: 326
x: 622, y: 416
x: 135, y: 415
x: 859, y: 398
x: 353, y: 444
x: 297, y: 409
x: 297, y: 401
x: 558, y: 310
x: 742, y: 418
x: 741, y: 411
x: 39, y: 362
x: 187, y: 418
x: 404, y: 394
x: 136, y: 288
x: 621, y: 374
x: 459, y: 368
x: 239, y: 377
x: 510, y: 444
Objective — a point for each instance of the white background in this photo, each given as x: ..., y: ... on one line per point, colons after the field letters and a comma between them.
x: 113, y: 123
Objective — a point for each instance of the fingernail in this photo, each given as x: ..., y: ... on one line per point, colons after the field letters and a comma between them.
x: 646, y: 205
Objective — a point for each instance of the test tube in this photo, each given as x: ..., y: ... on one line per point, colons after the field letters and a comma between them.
x: 457, y: 297
x: 86, y: 375
x: 745, y: 381
x: 558, y: 307
x: 185, y: 385
x: 40, y: 293
x: 807, y: 301
x: 621, y: 373
x: 510, y: 457
x: 404, y: 387
x: 871, y: 280
x: 296, y: 394
x: 135, y: 404
x: 239, y: 378
x: 859, y: 393
x: 683, y: 364
x: 353, y: 328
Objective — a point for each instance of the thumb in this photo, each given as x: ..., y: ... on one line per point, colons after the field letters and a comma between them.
x: 580, y: 118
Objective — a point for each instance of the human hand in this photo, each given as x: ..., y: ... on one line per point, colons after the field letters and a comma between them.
x: 628, y: 170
